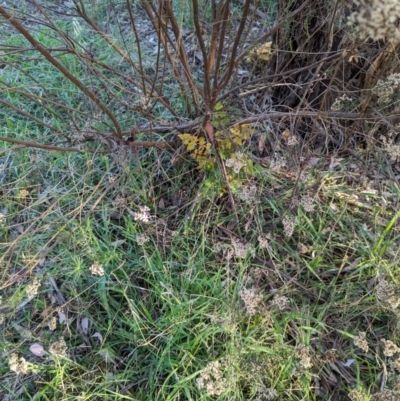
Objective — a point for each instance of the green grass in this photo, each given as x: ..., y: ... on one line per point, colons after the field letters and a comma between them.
x: 167, y: 309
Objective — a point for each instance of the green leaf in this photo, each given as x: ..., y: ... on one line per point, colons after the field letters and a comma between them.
x: 218, y: 106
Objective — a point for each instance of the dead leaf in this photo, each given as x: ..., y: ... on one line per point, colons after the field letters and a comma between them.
x: 118, y: 242
x: 85, y: 325
x: 334, y: 208
x: 261, y: 142
x: 312, y: 161
x: 107, y: 355
x: 351, y: 198
x: 348, y: 363
x: 353, y: 58
x: 19, y: 228
x: 61, y: 317
x: 286, y: 135
x: 335, y: 162
x: 98, y: 336
x: 23, y: 332
x: 37, y: 349
x: 115, y: 216
x: 210, y: 132
x: 262, y: 52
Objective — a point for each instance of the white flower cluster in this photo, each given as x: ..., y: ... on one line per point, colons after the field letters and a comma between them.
x: 342, y: 103
x: 358, y: 395
x: 251, y: 299
x: 264, y: 241
x: 18, y: 364
x: 390, y: 147
x: 143, y: 103
x: 141, y: 239
x: 277, y: 162
x: 386, y: 87
x: 212, y: 378
x: 377, y: 19
x: 236, y: 162
x: 241, y: 249
x: 308, y: 203
x: 390, y: 348
x: 33, y: 288
x: 59, y: 347
x: 281, y: 302
x: 304, y: 355
x: 23, y: 193
x: 225, y: 249
x: 143, y: 215
x: 360, y: 341
x: 247, y: 193
x: 97, y: 269
x: 293, y: 140
x: 52, y: 323
x: 387, y: 292
x: 289, y: 223
x: 265, y: 394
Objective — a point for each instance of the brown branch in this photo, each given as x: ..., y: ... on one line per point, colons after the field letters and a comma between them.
x: 29, y: 144
x: 25, y: 113
x: 203, y: 49
x: 123, y: 54
x: 60, y: 67
x: 266, y: 116
x: 235, y: 46
x: 135, y: 144
x: 284, y: 74
x: 223, y: 81
x: 225, y: 14
x: 314, y: 114
x: 216, y: 26
x: 181, y: 51
x: 164, y: 38
x: 132, y: 21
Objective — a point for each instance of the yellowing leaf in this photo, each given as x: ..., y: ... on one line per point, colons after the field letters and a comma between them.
x: 186, y: 138
x: 235, y: 130
x: 247, y: 130
x: 225, y: 144
x: 237, y: 140
x: 244, y: 131
x: 191, y: 145
x: 201, y: 165
x: 262, y: 52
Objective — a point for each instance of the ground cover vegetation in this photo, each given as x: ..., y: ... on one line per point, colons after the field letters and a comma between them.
x: 199, y: 200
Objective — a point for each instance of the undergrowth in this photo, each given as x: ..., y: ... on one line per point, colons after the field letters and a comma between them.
x: 158, y: 275
x: 159, y: 293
